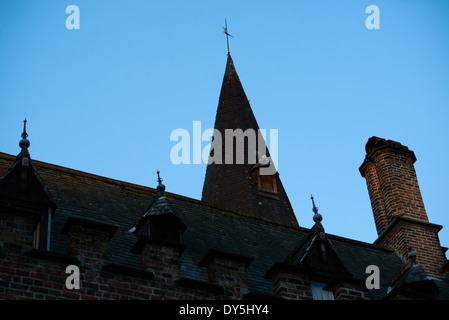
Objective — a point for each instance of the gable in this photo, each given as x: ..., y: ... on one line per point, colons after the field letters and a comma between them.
x: 21, y: 186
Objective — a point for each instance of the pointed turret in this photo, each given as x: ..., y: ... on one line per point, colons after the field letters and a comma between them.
x: 412, y: 282
x: 159, y: 224
x: 234, y: 177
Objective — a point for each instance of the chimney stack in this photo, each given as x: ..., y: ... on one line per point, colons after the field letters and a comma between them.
x: 397, y: 204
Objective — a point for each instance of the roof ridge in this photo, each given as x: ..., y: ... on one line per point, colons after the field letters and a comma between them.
x: 358, y: 242
x: 77, y: 172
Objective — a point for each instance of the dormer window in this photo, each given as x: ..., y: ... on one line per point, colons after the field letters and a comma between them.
x: 37, y: 235
x: 159, y: 224
x: 41, y: 233
x: 319, y: 293
x: 163, y: 228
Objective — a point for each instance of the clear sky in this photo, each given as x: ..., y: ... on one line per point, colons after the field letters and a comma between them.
x: 104, y: 98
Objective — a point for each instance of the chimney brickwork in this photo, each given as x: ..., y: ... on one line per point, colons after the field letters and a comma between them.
x: 397, y: 204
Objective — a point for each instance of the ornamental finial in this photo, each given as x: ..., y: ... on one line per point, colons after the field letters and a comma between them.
x: 160, y: 187
x: 316, y: 217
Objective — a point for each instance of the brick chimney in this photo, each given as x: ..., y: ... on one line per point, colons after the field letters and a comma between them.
x: 397, y: 204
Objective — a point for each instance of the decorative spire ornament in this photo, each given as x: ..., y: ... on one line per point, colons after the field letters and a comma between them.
x: 24, y: 144
x: 225, y: 30
x: 160, y: 187
x: 316, y: 217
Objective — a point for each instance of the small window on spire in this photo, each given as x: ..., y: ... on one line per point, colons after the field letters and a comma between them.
x: 267, y: 183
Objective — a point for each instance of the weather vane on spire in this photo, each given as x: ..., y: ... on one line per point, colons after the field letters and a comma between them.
x: 225, y: 30
x: 314, y: 209
x: 160, y: 187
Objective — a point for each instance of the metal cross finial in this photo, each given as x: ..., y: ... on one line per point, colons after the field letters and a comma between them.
x: 159, y: 178
x: 225, y: 30
x: 24, y: 133
x: 314, y: 209
x: 316, y: 217
x: 160, y: 188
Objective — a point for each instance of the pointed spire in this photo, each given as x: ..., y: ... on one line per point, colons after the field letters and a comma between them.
x: 223, y: 173
x: 232, y: 76
x: 160, y: 187
x: 316, y: 217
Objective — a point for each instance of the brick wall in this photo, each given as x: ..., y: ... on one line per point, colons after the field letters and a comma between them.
x: 345, y: 291
x: 27, y: 273
x: 293, y: 286
x: 424, y: 240
x: 230, y: 274
x: 162, y: 261
x: 381, y: 217
x: 16, y: 230
x: 392, y: 186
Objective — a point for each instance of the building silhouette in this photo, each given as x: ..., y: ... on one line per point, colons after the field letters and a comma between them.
x: 241, y: 241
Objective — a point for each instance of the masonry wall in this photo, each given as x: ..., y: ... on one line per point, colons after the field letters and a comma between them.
x: 16, y: 231
x: 28, y: 273
x: 423, y: 239
x: 297, y: 286
x: 292, y: 286
x: 230, y: 274
x: 346, y: 291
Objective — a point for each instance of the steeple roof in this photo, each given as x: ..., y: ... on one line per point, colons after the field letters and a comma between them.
x: 235, y: 185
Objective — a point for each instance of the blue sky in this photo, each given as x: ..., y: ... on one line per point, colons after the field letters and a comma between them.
x: 104, y: 99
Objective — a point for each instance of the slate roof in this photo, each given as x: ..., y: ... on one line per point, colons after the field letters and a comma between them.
x: 208, y: 227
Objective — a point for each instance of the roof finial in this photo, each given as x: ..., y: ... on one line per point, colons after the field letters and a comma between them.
x: 316, y: 217
x: 24, y: 155
x: 159, y: 178
x: 24, y: 133
x: 24, y: 143
x: 160, y: 187
x: 225, y: 30
x: 411, y: 253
